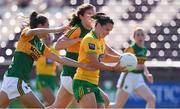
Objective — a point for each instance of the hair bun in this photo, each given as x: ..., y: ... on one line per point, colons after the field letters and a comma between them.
x: 33, y: 15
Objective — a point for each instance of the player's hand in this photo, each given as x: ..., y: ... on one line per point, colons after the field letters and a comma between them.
x: 63, y: 28
x: 150, y: 78
x: 119, y: 68
x: 66, y: 27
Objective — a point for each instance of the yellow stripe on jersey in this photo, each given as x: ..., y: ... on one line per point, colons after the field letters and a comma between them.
x: 81, y: 91
x: 71, y: 31
x: 74, y: 33
x: 89, y: 44
x: 141, y: 60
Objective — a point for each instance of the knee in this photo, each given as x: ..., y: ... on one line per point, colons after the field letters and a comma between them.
x: 4, y: 103
x: 151, y: 98
x: 106, y: 101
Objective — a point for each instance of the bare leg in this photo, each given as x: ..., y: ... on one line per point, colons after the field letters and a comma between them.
x: 48, y: 96
x: 88, y: 101
x: 105, y: 97
x: 148, y: 95
x: 31, y: 101
x: 4, y: 100
x: 100, y: 105
x: 63, y: 99
x: 72, y: 102
x: 121, y: 98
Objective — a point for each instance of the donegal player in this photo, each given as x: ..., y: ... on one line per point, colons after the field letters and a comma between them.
x: 93, y: 51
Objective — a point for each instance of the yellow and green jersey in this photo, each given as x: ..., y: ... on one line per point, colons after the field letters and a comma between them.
x: 78, y: 31
x: 140, y: 53
x: 29, y: 49
x: 89, y: 44
x: 46, y: 66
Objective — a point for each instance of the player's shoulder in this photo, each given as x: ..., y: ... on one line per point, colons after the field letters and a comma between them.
x: 24, y: 30
x: 129, y: 49
x: 88, y: 37
x: 74, y: 29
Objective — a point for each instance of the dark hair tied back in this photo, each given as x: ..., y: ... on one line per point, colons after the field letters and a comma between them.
x: 102, y: 18
x: 33, y: 15
x: 98, y: 15
x: 36, y: 19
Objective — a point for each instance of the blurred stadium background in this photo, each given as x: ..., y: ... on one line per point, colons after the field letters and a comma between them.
x: 160, y: 19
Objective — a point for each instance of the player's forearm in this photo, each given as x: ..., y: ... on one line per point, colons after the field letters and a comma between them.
x: 102, y: 66
x: 70, y: 62
x: 146, y: 71
x: 64, y: 60
x: 110, y: 58
x: 37, y: 31
x: 111, y: 51
x: 63, y: 44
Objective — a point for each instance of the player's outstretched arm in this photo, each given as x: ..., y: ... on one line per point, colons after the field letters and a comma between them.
x: 94, y: 62
x: 64, y: 42
x: 111, y: 51
x: 68, y: 61
x: 37, y: 31
x: 108, y: 58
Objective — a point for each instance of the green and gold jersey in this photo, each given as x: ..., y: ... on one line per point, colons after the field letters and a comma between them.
x: 89, y: 44
x: 29, y: 49
x: 78, y: 31
x: 140, y: 53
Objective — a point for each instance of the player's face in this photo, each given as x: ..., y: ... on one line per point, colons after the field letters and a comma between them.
x: 139, y: 37
x: 105, y: 29
x: 86, y: 18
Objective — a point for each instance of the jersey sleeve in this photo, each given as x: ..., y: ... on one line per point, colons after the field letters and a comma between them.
x: 89, y: 45
x: 129, y: 50
x: 24, y: 31
x: 23, y: 35
x: 73, y: 33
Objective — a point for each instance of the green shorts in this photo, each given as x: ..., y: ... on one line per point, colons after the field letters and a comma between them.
x: 81, y: 88
x: 45, y: 81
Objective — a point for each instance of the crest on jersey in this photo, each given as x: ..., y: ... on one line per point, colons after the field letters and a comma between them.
x: 91, y: 46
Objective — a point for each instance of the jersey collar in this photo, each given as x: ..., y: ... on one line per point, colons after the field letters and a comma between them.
x: 93, y: 34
